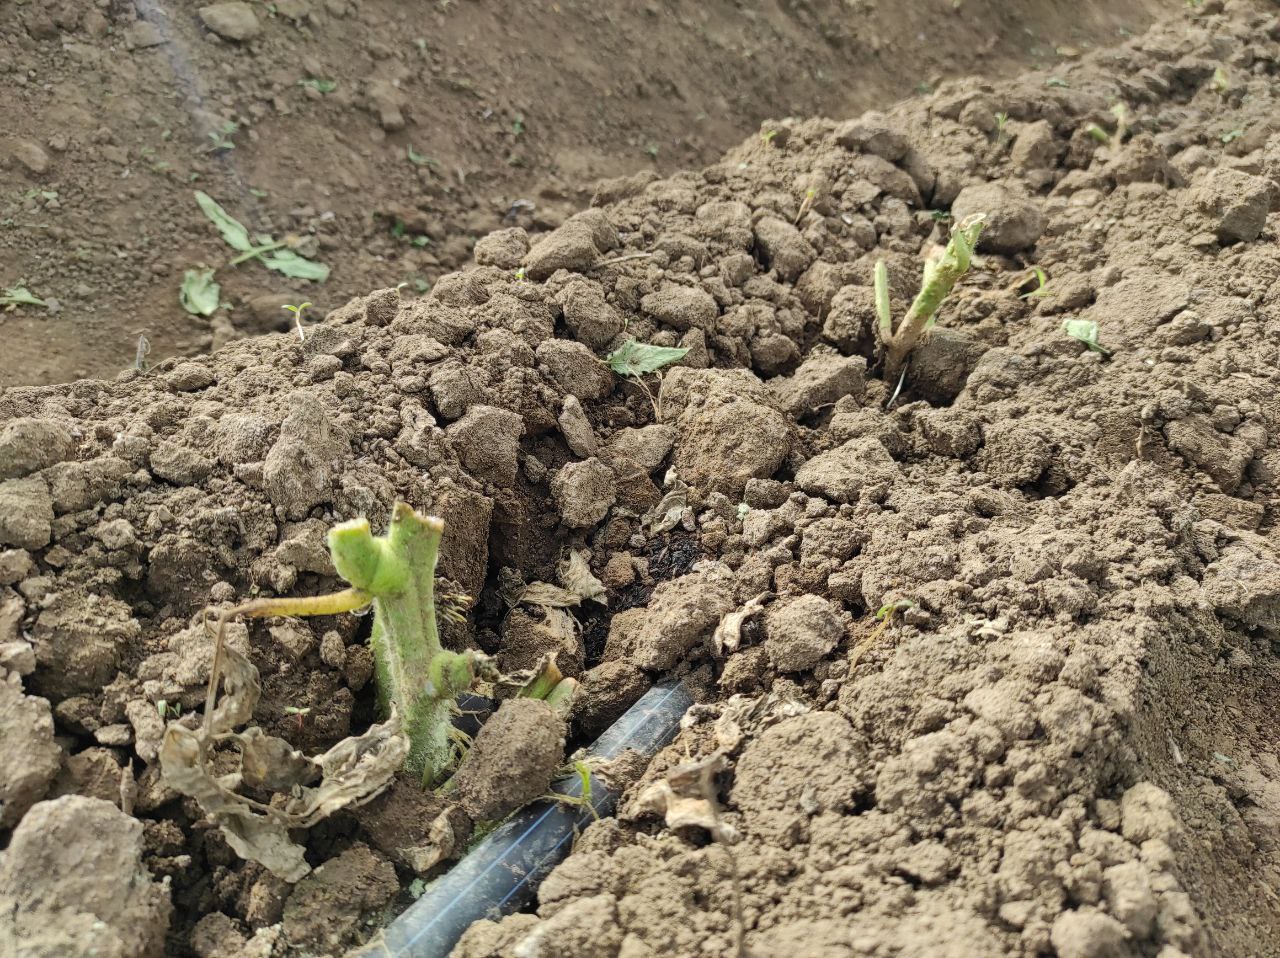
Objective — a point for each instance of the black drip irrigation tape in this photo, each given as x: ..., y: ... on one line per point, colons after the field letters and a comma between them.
x: 501, y: 874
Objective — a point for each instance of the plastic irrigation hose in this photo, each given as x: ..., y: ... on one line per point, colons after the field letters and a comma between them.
x: 502, y: 873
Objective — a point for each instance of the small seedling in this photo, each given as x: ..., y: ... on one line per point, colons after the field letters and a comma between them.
x: 940, y: 276
x: 884, y: 618
x: 1002, y: 121
x: 766, y: 136
x: 517, y: 125
x: 199, y: 293
x: 273, y: 254
x: 297, y: 318
x: 1219, y: 82
x: 418, y: 159
x: 1042, y: 284
x: 1085, y: 330
x: 652, y: 151
x: 583, y: 799
x: 167, y: 710
x: 18, y: 295
x: 321, y: 86
x: 1098, y: 133
x: 1231, y: 135
x: 807, y: 204
x: 221, y: 137
x: 635, y: 360
x: 1056, y: 82
x: 300, y: 711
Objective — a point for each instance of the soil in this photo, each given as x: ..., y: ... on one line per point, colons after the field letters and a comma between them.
x: 387, y: 136
x: 1005, y: 675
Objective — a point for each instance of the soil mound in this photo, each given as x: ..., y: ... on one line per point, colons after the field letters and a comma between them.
x: 1005, y: 681
x: 385, y: 137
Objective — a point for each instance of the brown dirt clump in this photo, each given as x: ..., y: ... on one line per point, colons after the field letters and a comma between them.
x: 1060, y: 741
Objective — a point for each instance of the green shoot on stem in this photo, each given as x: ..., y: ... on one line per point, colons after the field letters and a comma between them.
x: 940, y: 277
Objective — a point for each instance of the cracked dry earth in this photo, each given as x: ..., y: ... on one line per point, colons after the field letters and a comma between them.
x: 1063, y: 744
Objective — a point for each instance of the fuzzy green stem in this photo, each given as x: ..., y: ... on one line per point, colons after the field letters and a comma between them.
x: 939, y: 280
x: 413, y: 672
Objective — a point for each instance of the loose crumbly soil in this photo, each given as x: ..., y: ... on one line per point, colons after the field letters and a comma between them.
x: 512, y: 114
x: 1062, y: 743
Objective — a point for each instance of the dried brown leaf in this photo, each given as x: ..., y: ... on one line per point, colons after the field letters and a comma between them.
x: 549, y: 596
x: 352, y: 772
x: 272, y: 763
x: 576, y: 576
x: 728, y: 635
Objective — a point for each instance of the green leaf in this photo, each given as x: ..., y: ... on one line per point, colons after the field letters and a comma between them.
x: 20, y: 296
x: 635, y: 359
x: 1085, y: 330
x: 199, y: 292
x: 289, y: 263
x: 417, y: 159
x: 236, y: 236
x: 324, y: 86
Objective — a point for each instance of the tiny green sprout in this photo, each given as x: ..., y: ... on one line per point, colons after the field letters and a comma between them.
x: 221, y: 137
x: 743, y: 509
x: 1098, y: 133
x: 583, y: 799
x: 652, y: 151
x: 884, y: 617
x: 1219, y: 82
x: 167, y: 710
x: 1042, y: 284
x: 297, y: 317
x: 806, y: 204
x: 1056, y: 82
x: 421, y: 241
x: 521, y: 274
x: 300, y: 711
x: 517, y: 125
x: 319, y: 85
x: 1002, y: 120
x: 18, y: 295
x: 890, y: 608
x: 1231, y: 135
x: 416, y: 158
x: 1086, y: 331
x: 766, y: 136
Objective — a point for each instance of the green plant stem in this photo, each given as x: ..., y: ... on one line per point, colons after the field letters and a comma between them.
x: 939, y: 279
x: 257, y: 251
x: 414, y: 674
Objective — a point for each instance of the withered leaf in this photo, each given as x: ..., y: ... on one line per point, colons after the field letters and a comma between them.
x: 353, y: 771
